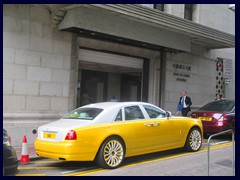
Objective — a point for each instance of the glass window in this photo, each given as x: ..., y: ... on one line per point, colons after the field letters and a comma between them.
x: 133, y: 112
x: 83, y: 113
x: 154, y: 112
x: 159, y: 7
x: 220, y: 105
x: 188, y: 11
x: 119, y: 116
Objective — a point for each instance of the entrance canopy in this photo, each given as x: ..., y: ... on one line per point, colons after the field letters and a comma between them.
x: 131, y: 23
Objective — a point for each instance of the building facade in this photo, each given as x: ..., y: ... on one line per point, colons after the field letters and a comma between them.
x: 144, y: 52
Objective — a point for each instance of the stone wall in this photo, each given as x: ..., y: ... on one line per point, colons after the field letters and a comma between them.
x: 36, y: 69
x: 193, y: 72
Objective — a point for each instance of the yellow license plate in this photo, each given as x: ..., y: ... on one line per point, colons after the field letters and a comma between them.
x: 205, y: 118
x: 49, y: 135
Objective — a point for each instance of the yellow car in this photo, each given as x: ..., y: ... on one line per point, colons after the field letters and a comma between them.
x: 111, y: 131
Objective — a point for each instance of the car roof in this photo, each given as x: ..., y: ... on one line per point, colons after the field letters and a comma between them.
x: 106, y: 105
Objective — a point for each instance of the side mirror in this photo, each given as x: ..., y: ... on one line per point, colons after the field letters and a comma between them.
x: 168, y: 114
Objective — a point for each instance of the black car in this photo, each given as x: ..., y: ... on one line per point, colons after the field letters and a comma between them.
x: 10, y: 160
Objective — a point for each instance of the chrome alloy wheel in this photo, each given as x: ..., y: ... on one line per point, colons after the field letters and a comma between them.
x: 113, y: 153
x: 195, y: 140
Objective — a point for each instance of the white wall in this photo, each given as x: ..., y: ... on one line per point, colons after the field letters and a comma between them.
x: 148, y: 5
x: 175, y: 9
x: 217, y: 16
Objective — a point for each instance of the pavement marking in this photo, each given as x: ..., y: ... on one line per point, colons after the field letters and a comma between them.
x: 30, y: 175
x: 213, y: 142
x: 220, y: 145
x: 221, y: 142
x: 87, y: 172
x: 48, y: 162
x: 78, y: 170
x: 36, y: 167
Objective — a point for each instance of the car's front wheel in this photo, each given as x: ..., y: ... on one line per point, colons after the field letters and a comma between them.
x: 111, y: 153
x: 194, y: 140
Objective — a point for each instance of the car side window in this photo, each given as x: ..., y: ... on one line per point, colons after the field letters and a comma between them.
x: 119, y: 116
x: 153, y: 112
x: 132, y: 113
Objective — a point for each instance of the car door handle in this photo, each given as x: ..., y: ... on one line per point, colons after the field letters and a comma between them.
x: 156, y: 124
x: 148, y: 124
x: 152, y: 124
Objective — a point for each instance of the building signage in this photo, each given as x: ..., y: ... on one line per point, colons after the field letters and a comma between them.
x: 228, y: 69
x: 181, y: 71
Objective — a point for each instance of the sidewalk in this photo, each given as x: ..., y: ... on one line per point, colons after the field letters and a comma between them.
x: 31, y: 151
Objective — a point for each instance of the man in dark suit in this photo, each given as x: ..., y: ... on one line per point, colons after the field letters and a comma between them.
x: 186, y: 102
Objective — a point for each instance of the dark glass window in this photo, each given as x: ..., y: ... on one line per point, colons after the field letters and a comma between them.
x: 133, y: 112
x: 83, y: 113
x: 159, y: 7
x: 188, y: 11
x: 153, y: 112
x: 119, y: 116
x: 220, y: 105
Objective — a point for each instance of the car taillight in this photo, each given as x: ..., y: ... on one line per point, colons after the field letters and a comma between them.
x: 71, y: 135
x: 222, y: 120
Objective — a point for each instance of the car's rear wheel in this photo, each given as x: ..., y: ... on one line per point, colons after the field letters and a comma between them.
x: 111, y: 153
x: 194, y: 140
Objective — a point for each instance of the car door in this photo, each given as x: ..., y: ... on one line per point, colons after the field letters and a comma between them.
x: 138, y: 131
x: 165, y: 132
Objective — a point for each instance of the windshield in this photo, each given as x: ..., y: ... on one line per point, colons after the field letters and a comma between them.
x: 83, y: 113
x: 222, y: 105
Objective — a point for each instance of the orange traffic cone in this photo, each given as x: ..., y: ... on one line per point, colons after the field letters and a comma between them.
x: 24, y: 156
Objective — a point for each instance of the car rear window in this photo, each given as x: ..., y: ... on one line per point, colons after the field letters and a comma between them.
x: 84, y: 113
x: 221, y: 105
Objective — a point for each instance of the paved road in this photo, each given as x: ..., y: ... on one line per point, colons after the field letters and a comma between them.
x: 179, y: 165
x: 168, y: 163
